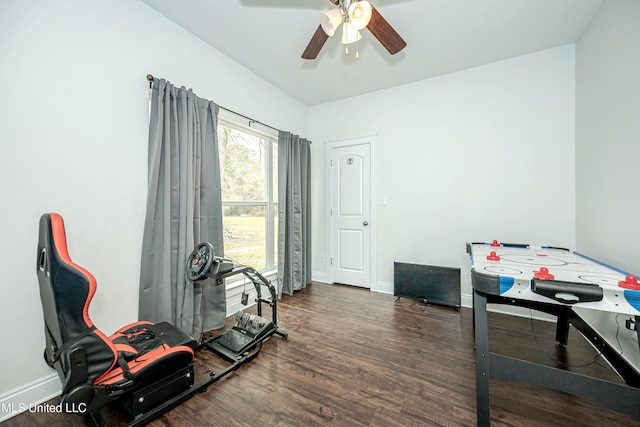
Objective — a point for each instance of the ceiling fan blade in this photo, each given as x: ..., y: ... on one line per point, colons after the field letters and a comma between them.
x: 385, y: 33
x: 315, y: 44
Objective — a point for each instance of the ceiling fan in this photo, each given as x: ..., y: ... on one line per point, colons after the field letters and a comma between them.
x: 353, y: 15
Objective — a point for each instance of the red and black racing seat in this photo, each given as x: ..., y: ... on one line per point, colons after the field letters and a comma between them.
x: 143, y: 363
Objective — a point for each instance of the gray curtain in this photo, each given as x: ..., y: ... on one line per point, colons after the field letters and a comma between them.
x: 294, y: 213
x: 183, y: 208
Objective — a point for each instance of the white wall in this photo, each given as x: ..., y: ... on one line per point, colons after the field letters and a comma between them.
x: 486, y: 153
x: 73, y: 115
x: 482, y: 154
x: 607, y: 152
x: 608, y: 135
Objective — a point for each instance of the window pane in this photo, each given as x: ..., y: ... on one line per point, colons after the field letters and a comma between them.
x: 244, y: 235
x: 248, y: 169
x: 242, y: 165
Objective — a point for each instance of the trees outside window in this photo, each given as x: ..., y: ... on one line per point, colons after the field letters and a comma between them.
x: 248, y: 168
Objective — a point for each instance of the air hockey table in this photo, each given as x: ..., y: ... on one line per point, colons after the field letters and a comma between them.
x: 554, y: 281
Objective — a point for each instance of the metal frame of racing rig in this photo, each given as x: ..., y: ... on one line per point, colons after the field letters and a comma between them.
x: 238, y: 360
x: 270, y: 328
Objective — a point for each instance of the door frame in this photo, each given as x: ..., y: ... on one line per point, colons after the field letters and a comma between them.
x: 373, y: 222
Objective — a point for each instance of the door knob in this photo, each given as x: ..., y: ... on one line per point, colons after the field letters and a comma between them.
x: 365, y: 223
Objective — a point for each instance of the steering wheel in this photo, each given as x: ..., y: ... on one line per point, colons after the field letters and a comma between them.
x: 200, y: 261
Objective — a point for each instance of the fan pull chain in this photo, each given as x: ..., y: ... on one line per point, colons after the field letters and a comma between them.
x: 346, y: 45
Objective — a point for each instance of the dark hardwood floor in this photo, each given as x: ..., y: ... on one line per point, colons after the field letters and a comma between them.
x: 356, y: 358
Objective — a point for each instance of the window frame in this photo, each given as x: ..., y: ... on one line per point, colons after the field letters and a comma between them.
x: 270, y: 202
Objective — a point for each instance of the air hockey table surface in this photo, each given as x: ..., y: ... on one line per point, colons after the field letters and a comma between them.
x: 554, y: 281
x: 554, y: 275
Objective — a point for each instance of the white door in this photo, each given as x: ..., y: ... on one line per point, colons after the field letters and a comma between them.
x: 350, y: 212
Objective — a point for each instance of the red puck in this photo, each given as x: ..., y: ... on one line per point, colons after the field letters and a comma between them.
x: 543, y: 274
x: 493, y: 257
x: 630, y: 282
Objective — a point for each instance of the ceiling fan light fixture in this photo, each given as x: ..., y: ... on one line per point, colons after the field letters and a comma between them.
x: 330, y: 21
x: 350, y: 34
x: 359, y: 14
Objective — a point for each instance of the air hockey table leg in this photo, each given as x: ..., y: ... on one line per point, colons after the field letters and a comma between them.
x: 482, y: 358
x: 562, y: 329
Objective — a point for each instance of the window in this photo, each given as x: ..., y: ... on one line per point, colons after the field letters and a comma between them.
x: 249, y: 174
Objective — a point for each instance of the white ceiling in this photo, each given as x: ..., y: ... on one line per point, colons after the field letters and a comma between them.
x: 268, y: 37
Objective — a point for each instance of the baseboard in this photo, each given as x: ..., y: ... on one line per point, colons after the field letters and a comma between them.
x: 383, y: 288
x: 466, y: 300
x: 319, y: 276
x: 516, y: 311
x: 387, y: 288
x: 28, y: 396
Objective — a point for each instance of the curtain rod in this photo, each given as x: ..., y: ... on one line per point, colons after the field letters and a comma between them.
x: 150, y: 79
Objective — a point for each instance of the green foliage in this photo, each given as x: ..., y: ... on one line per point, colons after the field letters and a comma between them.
x: 244, y: 240
x: 244, y: 159
x: 241, y: 166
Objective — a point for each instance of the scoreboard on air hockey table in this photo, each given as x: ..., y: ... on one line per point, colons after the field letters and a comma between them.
x: 553, y: 275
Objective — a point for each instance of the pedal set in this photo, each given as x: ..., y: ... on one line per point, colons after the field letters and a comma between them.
x: 248, y: 331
